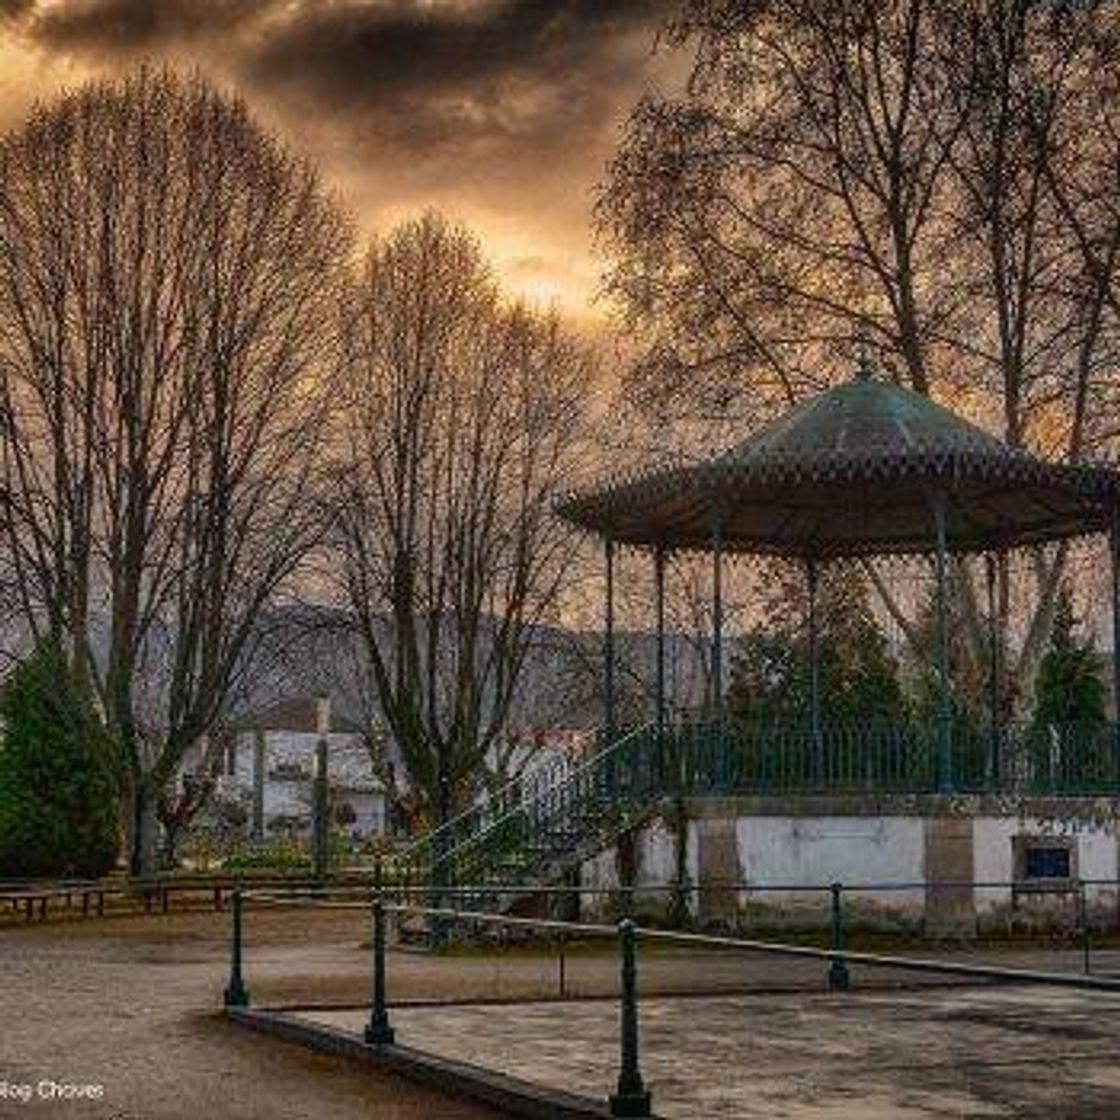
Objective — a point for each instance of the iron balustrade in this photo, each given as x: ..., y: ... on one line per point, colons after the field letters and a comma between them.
x: 418, y: 860
x: 883, y: 756
x: 563, y: 811
x: 559, y: 808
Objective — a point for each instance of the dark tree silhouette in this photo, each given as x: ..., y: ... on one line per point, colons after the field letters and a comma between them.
x: 463, y: 418
x: 168, y: 280
x: 58, y: 813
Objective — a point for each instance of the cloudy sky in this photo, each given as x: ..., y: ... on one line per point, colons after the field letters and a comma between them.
x: 500, y: 112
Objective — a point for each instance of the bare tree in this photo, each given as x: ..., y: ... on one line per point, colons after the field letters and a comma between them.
x: 167, y: 282
x: 462, y: 420
x: 933, y: 182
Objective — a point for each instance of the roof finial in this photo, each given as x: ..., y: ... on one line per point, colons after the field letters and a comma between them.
x: 865, y: 370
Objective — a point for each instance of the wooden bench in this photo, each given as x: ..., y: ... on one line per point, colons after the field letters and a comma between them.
x: 37, y: 896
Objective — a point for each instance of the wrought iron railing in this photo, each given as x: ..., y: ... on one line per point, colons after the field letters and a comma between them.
x: 562, y: 812
x: 899, y: 757
x: 557, y: 820
x: 419, y: 859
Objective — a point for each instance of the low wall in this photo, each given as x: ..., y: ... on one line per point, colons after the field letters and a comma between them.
x: 945, y: 848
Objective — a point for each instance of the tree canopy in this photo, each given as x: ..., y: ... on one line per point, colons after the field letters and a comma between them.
x: 1070, y: 689
x: 932, y: 182
x: 462, y: 419
x: 771, y: 663
x: 169, y: 274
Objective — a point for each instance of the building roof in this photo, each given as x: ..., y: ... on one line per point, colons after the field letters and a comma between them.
x: 298, y: 713
x: 851, y: 472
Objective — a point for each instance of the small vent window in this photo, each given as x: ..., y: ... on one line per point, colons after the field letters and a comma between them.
x: 1047, y: 861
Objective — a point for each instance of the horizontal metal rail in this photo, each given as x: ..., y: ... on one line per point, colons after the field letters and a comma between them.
x: 304, y: 901
x: 92, y: 897
x: 584, y: 929
x: 885, y: 960
x: 367, y: 883
x: 632, y: 1098
x: 776, y: 948
x: 1057, y: 886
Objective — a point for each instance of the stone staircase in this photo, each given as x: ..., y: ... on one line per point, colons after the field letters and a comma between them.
x: 538, y: 829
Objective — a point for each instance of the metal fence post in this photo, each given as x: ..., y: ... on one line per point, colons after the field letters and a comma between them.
x: 561, y: 967
x: 1083, y: 922
x: 631, y: 1097
x: 378, y: 1031
x: 320, y: 810
x: 839, y: 979
x: 236, y: 994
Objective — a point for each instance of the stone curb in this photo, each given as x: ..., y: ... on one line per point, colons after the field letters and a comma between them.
x: 510, y: 1095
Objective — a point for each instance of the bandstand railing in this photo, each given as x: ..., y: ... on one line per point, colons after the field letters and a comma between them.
x: 567, y: 811
x: 881, y: 756
x: 433, y: 848
x: 577, y: 813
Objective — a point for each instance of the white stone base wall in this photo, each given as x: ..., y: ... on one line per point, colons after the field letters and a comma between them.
x: 929, y: 856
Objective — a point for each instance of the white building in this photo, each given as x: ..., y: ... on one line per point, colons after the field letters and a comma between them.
x: 271, y: 765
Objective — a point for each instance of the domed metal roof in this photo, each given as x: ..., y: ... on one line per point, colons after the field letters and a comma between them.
x: 864, y: 420
x: 855, y: 471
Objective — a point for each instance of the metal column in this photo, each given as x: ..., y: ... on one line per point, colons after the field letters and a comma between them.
x: 1114, y: 552
x: 320, y: 825
x: 717, y: 625
x: 659, y: 591
x: 945, y: 780
x: 996, y: 760
x: 812, y: 577
x: 610, y: 715
x: 258, y: 785
x: 631, y: 1097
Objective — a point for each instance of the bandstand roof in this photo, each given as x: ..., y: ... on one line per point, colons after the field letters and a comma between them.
x: 851, y: 472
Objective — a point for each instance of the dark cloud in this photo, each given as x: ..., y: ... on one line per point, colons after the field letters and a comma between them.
x: 509, y: 107
x: 420, y: 74
x: 363, y: 49
x: 138, y: 25
x: 15, y: 9
x: 507, y: 67
x: 518, y: 98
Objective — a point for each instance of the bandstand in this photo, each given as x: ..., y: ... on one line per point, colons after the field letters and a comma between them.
x: 867, y: 469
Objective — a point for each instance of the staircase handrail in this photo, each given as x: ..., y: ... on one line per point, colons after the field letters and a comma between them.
x: 429, y: 839
x: 572, y: 776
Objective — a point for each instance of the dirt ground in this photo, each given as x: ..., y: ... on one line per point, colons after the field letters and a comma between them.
x: 131, y: 1005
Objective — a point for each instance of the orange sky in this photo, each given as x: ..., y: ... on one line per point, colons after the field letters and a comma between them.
x: 502, y: 113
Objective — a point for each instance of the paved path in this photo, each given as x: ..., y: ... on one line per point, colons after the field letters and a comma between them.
x: 932, y: 1054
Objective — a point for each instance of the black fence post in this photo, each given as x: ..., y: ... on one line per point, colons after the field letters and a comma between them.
x: 561, y: 966
x: 236, y: 995
x: 378, y: 1031
x: 1083, y: 922
x: 320, y: 815
x: 631, y: 1097
x: 838, y: 978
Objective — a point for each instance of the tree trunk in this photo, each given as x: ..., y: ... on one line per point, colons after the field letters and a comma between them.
x: 170, y: 845
x: 679, y: 912
x: 142, y: 860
